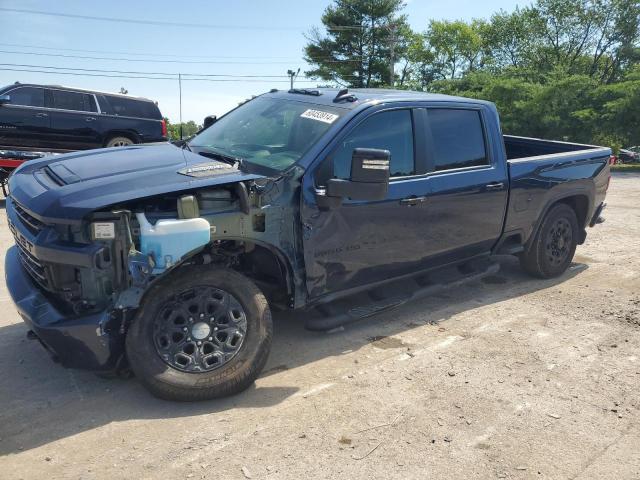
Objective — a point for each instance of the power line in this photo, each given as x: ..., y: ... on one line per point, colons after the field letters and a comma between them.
x: 174, y: 75
x: 146, y: 22
x: 85, y: 57
x: 174, y: 78
x: 189, y: 62
x: 160, y: 75
x: 163, y: 23
x: 148, y: 54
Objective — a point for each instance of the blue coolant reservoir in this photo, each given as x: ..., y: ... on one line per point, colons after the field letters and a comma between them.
x: 169, y: 240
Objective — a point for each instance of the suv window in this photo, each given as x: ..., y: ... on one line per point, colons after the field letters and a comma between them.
x: 65, y: 100
x: 27, y: 96
x: 458, y: 138
x: 129, y: 107
x: 391, y: 130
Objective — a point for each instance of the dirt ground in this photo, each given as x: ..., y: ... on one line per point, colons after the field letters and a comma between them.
x: 508, y: 377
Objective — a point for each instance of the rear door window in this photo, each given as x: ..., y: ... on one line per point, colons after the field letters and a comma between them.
x: 66, y: 100
x: 27, y: 96
x: 129, y: 107
x: 391, y: 130
x: 458, y: 138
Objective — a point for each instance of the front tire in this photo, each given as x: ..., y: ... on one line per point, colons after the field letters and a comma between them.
x: 204, y: 332
x: 554, y: 245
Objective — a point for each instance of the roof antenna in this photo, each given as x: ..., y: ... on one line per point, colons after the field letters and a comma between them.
x: 344, y: 95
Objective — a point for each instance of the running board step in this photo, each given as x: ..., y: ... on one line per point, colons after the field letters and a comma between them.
x: 341, y: 312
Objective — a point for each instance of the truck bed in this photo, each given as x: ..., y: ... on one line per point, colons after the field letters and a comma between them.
x: 541, y: 171
x: 521, y: 148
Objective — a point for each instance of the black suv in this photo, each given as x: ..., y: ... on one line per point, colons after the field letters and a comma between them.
x: 55, y: 118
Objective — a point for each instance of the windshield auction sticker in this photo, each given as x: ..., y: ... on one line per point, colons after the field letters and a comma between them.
x: 319, y: 115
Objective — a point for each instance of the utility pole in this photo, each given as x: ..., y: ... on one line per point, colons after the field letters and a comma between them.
x: 180, y: 87
x: 392, y: 59
x: 292, y: 76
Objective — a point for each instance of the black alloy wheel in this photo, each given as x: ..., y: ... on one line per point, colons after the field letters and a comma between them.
x: 200, y: 329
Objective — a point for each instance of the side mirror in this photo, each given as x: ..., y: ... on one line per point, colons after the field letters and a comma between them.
x: 369, y: 179
x: 208, y: 121
x: 4, y: 99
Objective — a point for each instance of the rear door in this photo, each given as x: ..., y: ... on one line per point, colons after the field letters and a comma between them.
x: 468, y: 183
x: 75, y: 122
x: 24, y: 122
x: 141, y: 117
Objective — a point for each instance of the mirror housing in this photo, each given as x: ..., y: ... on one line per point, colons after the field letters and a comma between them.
x: 208, y: 121
x: 369, y: 179
x: 4, y: 99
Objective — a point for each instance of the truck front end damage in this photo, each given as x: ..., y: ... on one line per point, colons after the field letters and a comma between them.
x: 63, y: 284
x: 78, y: 285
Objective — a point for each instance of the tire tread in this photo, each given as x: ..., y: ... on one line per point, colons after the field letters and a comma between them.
x: 232, y: 380
x: 532, y: 260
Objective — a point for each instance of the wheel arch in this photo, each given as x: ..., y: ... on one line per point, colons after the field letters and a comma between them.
x: 259, y: 261
x: 578, y: 202
x: 257, y: 255
x: 133, y: 136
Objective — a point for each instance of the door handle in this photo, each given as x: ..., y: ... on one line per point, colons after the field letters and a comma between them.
x: 90, y: 119
x: 494, y: 186
x: 42, y: 115
x: 413, y: 200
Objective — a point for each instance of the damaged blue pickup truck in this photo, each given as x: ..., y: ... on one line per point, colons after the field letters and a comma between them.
x: 168, y: 260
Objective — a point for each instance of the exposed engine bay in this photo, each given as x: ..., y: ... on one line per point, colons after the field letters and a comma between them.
x: 141, y: 241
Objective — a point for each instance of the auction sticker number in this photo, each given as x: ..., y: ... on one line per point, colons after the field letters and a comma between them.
x: 319, y: 115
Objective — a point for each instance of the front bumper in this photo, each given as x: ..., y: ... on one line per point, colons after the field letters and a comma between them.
x: 91, y: 342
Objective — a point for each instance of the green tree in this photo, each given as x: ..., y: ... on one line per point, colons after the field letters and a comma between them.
x: 513, y: 38
x: 356, y: 46
x: 188, y: 129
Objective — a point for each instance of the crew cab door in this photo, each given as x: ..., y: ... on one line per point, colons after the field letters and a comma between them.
x: 360, y: 242
x: 75, y: 123
x: 468, y: 182
x: 24, y: 122
x: 446, y: 199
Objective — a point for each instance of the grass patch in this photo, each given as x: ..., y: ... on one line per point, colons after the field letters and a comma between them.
x: 626, y: 167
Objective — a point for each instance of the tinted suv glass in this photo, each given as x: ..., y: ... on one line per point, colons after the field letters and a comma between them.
x: 65, y: 100
x: 391, y: 130
x: 129, y: 107
x: 458, y: 138
x: 27, y: 96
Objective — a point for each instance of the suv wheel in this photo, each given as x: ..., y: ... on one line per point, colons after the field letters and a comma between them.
x: 554, y: 245
x: 204, y: 332
x: 119, y: 142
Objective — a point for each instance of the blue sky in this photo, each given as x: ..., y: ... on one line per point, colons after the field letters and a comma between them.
x: 269, y: 41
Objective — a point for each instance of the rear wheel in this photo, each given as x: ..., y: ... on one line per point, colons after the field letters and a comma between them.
x: 554, y: 245
x: 202, y: 333
x: 119, y: 142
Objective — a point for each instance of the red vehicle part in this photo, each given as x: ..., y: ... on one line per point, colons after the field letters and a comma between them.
x: 11, y: 162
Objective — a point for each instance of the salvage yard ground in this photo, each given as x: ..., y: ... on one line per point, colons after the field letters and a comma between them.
x: 508, y: 377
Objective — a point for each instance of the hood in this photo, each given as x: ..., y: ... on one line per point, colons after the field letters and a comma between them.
x: 65, y: 188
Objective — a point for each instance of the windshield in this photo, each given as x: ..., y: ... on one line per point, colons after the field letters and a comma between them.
x: 270, y: 132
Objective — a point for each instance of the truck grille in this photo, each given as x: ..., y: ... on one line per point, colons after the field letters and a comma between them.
x: 31, y: 264
x: 33, y: 267
x: 34, y: 225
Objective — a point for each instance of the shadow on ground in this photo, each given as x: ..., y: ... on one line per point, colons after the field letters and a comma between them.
x: 42, y: 402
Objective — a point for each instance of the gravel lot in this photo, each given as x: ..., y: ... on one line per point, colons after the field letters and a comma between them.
x: 508, y: 377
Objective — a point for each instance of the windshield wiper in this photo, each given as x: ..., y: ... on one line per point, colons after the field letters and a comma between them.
x: 234, y: 161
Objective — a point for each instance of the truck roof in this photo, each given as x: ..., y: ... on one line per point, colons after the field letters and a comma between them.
x: 326, y: 96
